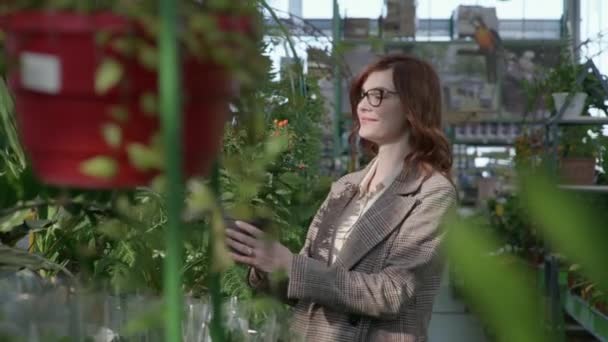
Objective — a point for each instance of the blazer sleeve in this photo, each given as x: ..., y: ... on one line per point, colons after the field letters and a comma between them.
x: 382, y: 295
x: 260, y: 281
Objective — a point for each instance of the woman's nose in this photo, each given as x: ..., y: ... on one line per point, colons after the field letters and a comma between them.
x: 364, y: 106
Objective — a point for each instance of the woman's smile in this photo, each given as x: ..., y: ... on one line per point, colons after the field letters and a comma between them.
x: 367, y: 119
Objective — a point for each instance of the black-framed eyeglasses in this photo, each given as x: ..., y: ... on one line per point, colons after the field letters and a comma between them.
x: 376, y: 95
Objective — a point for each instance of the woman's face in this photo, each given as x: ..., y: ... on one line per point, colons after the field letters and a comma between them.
x: 380, y: 112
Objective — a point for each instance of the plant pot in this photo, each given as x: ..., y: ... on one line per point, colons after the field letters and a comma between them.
x: 577, y: 171
x: 576, y: 106
x: 61, y: 117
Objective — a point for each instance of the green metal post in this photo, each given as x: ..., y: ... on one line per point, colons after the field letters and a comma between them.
x: 170, y: 104
x: 337, y: 34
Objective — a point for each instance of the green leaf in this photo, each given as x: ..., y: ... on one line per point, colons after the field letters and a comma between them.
x: 143, y: 157
x: 99, y: 167
x: 276, y: 145
x: 571, y: 227
x: 291, y: 179
x: 159, y: 184
x: 112, y: 134
x: 283, y: 192
x: 108, y: 75
x: 227, y: 196
x: 485, y: 276
x: 19, y: 258
x: 113, y: 229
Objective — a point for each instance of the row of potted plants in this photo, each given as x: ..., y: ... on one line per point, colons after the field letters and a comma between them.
x: 518, y: 236
x: 588, y: 290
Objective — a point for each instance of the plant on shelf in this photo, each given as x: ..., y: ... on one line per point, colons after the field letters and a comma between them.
x: 529, y: 148
x: 514, y: 228
x: 588, y: 290
x: 562, y: 79
x: 581, y: 146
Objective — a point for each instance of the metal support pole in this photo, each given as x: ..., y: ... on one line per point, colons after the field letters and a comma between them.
x: 337, y: 34
x: 574, y: 24
x: 170, y: 105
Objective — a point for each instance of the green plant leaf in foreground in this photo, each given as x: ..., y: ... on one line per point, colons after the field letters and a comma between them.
x: 17, y: 258
x: 99, y: 167
x: 112, y: 134
x: 502, y: 293
x: 144, y: 158
x: 571, y: 228
x: 108, y: 75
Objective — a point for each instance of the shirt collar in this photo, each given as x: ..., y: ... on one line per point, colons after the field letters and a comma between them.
x: 364, y: 185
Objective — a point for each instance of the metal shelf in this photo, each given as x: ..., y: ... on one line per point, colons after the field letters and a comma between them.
x: 411, y: 42
x: 483, y: 142
x: 538, y: 30
x: 587, y: 316
x: 586, y: 188
x: 584, y: 120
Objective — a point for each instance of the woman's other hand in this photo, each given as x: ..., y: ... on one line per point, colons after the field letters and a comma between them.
x: 252, y: 247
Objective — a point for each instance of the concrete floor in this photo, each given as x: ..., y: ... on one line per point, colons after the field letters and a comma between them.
x: 450, y: 321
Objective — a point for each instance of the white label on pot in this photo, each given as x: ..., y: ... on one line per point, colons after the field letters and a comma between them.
x: 40, y: 72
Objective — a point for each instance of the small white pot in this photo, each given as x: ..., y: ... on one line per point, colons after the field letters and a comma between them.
x: 575, y: 108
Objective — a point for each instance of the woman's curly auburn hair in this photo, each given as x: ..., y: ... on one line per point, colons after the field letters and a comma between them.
x: 419, y: 91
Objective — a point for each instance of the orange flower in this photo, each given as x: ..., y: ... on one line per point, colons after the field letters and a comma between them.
x: 283, y: 123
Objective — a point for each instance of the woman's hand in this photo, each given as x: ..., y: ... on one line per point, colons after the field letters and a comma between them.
x: 257, y: 250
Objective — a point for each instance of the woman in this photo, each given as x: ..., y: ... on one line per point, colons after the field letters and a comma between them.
x: 370, y: 268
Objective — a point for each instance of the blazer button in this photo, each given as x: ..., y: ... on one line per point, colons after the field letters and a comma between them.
x: 354, y: 320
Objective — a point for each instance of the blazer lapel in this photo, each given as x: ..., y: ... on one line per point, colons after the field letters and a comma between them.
x: 342, y: 192
x: 381, y: 219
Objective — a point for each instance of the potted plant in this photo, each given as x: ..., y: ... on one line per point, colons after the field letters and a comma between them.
x: 580, y: 149
x: 550, y: 87
x: 561, y: 81
x: 84, y: 78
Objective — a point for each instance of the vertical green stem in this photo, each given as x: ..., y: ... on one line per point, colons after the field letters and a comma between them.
x: 217, y: 330
x: 170, y: 104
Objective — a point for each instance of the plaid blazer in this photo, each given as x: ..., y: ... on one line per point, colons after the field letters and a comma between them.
x: 384, y: 280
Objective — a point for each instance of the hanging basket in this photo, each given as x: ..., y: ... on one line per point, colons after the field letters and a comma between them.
x: 75, y: 136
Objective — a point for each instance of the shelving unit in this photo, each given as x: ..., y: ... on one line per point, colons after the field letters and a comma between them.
x: 587, y: 316
x: 560, y: 299
x: 585, y: 120
x: 586, y: 188
x: 484, y: 142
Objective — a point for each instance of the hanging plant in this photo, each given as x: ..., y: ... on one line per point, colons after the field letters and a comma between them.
x: 85, y: 84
